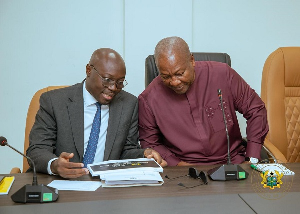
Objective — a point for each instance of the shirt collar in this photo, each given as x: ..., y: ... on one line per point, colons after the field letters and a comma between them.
x: 88, y: 99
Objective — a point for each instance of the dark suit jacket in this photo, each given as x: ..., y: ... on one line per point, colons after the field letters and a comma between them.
x: 59, y: 127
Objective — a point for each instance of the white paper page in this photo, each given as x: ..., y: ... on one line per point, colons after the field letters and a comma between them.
x: 75, y: 185
x: 273, y: 166
x: 133, y: 176
x: 127, y: 182
x: 127, y: 173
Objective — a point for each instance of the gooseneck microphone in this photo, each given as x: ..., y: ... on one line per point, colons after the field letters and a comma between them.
x: 227, y: 171
x: 35, y: 192
x: 3, y: 141
x: 225, y: 123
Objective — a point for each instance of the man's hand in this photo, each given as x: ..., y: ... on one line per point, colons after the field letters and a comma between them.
x: 182, y: 163
x: 66, y: 169
x: 151, y: 153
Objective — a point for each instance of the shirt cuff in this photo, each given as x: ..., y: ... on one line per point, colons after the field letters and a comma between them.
x: 172, y: 160
x: 253, y: 150
x: 49, y: 166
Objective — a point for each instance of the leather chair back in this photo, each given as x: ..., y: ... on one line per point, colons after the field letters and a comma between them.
x: 151, y: 70
x: 32, y: 110
x: 280, y: 90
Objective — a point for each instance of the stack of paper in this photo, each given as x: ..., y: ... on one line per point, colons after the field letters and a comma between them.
x: 122, y: 179
x: 130, y: 172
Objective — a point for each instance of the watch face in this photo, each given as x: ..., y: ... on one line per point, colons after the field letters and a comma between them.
x: 253, y: 160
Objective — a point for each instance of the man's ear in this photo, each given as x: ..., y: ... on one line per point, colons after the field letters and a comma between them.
x: 192, y: 60
x: 88, y: 70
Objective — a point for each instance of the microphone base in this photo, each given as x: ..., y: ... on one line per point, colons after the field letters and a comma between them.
x: 35, y: 194
x: 227, y: 172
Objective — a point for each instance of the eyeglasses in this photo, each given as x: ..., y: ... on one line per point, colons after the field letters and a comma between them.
x: 109, y: 82
x: 193, y: 173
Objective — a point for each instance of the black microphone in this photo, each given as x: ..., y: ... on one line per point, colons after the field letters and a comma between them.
x: 35, y: 192
x: 229, y: 171
x: 225, y: 123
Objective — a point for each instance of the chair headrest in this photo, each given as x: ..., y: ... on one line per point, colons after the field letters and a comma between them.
x: 151, y: 70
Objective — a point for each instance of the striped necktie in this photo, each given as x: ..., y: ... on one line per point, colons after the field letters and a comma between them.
x: 94, y: 136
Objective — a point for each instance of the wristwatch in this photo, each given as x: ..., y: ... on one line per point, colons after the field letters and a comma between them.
x: 253, y: 160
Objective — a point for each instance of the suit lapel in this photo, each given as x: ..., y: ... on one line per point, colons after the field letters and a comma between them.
x: 75, y: 110
x: 115, y: 112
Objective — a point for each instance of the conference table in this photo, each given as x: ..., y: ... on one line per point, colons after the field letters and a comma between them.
x: 235, y: 196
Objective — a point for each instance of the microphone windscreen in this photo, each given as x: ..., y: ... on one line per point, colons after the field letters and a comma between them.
x: 3, y: 141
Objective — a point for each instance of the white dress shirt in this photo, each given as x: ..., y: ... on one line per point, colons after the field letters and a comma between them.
x: 90, y: 109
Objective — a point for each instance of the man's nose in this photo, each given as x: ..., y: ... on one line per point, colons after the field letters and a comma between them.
x: 174, y: 81
x: 113, y: 87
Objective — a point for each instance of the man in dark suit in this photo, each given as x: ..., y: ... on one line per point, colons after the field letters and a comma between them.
x: 60, y: 135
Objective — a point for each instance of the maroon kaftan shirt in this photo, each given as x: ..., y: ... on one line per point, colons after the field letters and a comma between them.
x: 190, y: 127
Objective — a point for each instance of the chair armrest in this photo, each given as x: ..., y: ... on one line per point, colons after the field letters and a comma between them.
x: 273, y: 151
x: 15, y: 170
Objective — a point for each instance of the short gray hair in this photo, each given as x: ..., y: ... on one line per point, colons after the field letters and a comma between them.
x: 171, y: 45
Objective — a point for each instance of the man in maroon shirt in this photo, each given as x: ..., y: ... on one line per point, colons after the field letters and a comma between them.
x: 180, y: 115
